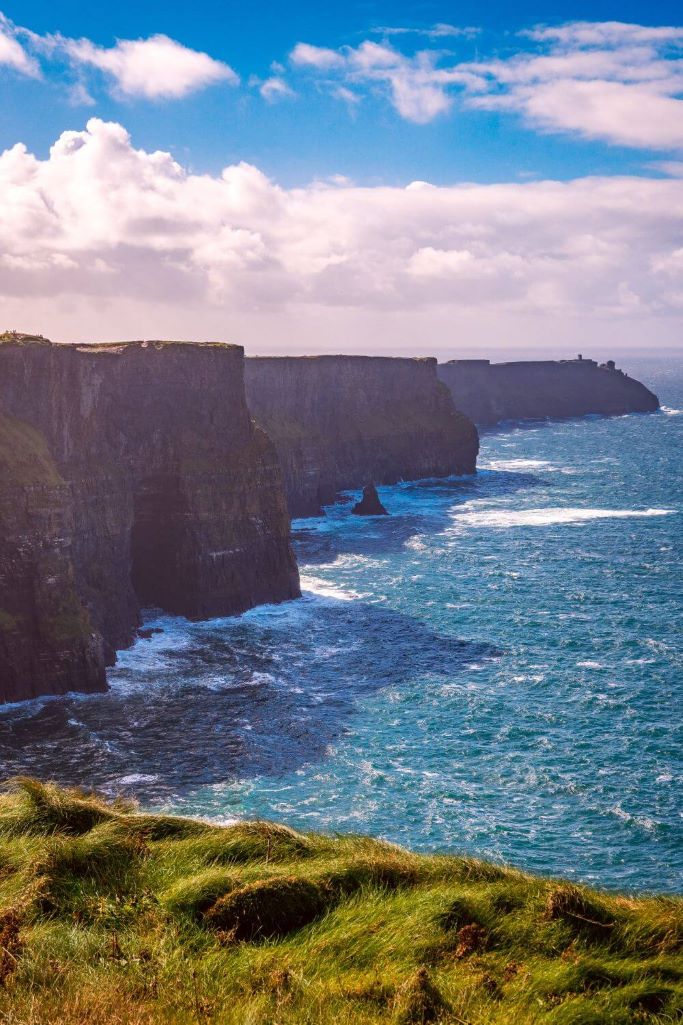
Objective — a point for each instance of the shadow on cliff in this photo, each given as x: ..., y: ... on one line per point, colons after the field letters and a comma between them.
x: 321, y: 540
x: 204, y: 703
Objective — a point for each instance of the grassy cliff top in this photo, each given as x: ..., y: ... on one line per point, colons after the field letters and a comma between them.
x: 18, y: 338
x: 108, y: 916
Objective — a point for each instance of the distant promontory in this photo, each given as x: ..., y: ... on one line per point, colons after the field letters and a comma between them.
x: 542, y: 389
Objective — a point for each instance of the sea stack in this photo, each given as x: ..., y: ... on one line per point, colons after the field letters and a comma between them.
x: 369, y: 504
x: 543, y: 389
x: 133, y: 476
x: 339, y: 421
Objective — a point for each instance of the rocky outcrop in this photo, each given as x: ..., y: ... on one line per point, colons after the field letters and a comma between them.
x: 370, y: 504
x: 339, y: 421
x: 539, y: 389
x: 140, y: 480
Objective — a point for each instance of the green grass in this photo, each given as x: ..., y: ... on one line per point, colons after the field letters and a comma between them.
x: 110, y: 917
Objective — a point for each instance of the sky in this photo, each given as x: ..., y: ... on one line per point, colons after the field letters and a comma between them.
x: 408, y: 178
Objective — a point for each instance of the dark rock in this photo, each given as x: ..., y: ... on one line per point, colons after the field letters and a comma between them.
x: 369, y: 504
x: 538, y: 389
x: 132, y: 474
x: 339, y: 421
x: 147, y: 633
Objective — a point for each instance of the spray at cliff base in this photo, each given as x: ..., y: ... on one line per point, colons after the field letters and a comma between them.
x: 492, y: 669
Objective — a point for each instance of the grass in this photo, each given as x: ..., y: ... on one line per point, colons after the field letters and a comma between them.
x: 111, y: 917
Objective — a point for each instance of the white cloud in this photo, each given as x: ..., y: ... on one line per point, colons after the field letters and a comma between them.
x: 102, y: 225
x: 154, y: 68
x: 606, y: 80
x: 12, y: 53
x: 305, y: 55
x: 275, y: 88
x: 613, y: 81
x: 441, y: 30
x: 414, y: 84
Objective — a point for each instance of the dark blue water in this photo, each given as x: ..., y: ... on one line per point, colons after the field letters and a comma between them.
x: 495, y: 668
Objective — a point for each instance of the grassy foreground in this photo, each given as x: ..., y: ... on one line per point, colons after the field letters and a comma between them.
x: 108, y: 916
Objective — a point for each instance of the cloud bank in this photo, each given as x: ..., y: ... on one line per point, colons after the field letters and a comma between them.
x: 105, y: 225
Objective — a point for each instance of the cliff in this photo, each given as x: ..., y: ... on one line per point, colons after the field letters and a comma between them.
x: 339, y: 421
x: 140, y: 479
x: 538, y: 389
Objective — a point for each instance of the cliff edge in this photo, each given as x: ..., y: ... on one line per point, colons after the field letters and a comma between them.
x: 339, y: 421
x: 540, y: 389
x: 133, y: 475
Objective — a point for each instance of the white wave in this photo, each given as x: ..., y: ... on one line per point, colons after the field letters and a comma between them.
x: 476, y: 517
x: 519, y: 464
x: 668, y: 411
x: 591, y: 665
x: 326, y: 589
x: 136, y: 777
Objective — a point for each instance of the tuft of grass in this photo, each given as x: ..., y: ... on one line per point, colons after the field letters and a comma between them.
x: 109, y: 916
x: 418, y: 1001
x: 268, y: 908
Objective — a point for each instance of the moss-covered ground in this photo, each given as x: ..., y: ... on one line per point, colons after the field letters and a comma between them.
x: 112, y: 916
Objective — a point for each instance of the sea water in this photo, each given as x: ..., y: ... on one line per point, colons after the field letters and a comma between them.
x: 494, y: 668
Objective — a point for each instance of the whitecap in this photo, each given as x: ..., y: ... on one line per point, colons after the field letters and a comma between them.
x: 477, y: 517
x: 325, y: 589
x: 515, y: 465
x: 668, y: 411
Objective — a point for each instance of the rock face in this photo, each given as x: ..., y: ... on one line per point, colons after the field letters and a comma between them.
x: 531, y: 390
x: 369, y: 504
x: 339, y: 421
x: 133, y: 476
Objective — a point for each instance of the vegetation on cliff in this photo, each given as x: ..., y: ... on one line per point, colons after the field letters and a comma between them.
x: 109, y: 916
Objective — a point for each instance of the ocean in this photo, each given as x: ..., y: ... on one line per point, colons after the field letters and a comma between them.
x: 494, y: 669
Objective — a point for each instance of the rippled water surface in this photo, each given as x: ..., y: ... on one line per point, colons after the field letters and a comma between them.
x: 494, y: 668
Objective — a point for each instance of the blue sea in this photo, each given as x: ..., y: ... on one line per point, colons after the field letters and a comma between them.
x: 495, y: 668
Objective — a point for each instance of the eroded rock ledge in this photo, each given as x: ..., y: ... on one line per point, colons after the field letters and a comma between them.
x: 539, y: 389
x: 339, y: 421
x: 131, y: 475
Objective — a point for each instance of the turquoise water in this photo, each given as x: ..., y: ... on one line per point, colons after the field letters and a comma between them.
x: 495, y: 668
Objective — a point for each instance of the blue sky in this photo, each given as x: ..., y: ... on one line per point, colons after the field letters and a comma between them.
x: 313, y: 135
x: 345, y: 98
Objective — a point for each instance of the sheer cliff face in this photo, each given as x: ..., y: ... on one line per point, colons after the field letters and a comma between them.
x: 159, y: 491
x: 341, y: 421
x: 491, y: 392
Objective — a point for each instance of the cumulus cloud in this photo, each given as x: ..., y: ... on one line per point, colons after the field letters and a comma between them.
x: 604, y: 80
x: 100, y: 220
x: 154, y: 68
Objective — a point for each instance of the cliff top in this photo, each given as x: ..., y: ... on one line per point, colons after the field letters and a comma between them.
x: 479, y: 363
x: 111, y: 916
x: 19, y: 338
x: 331, y: 357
